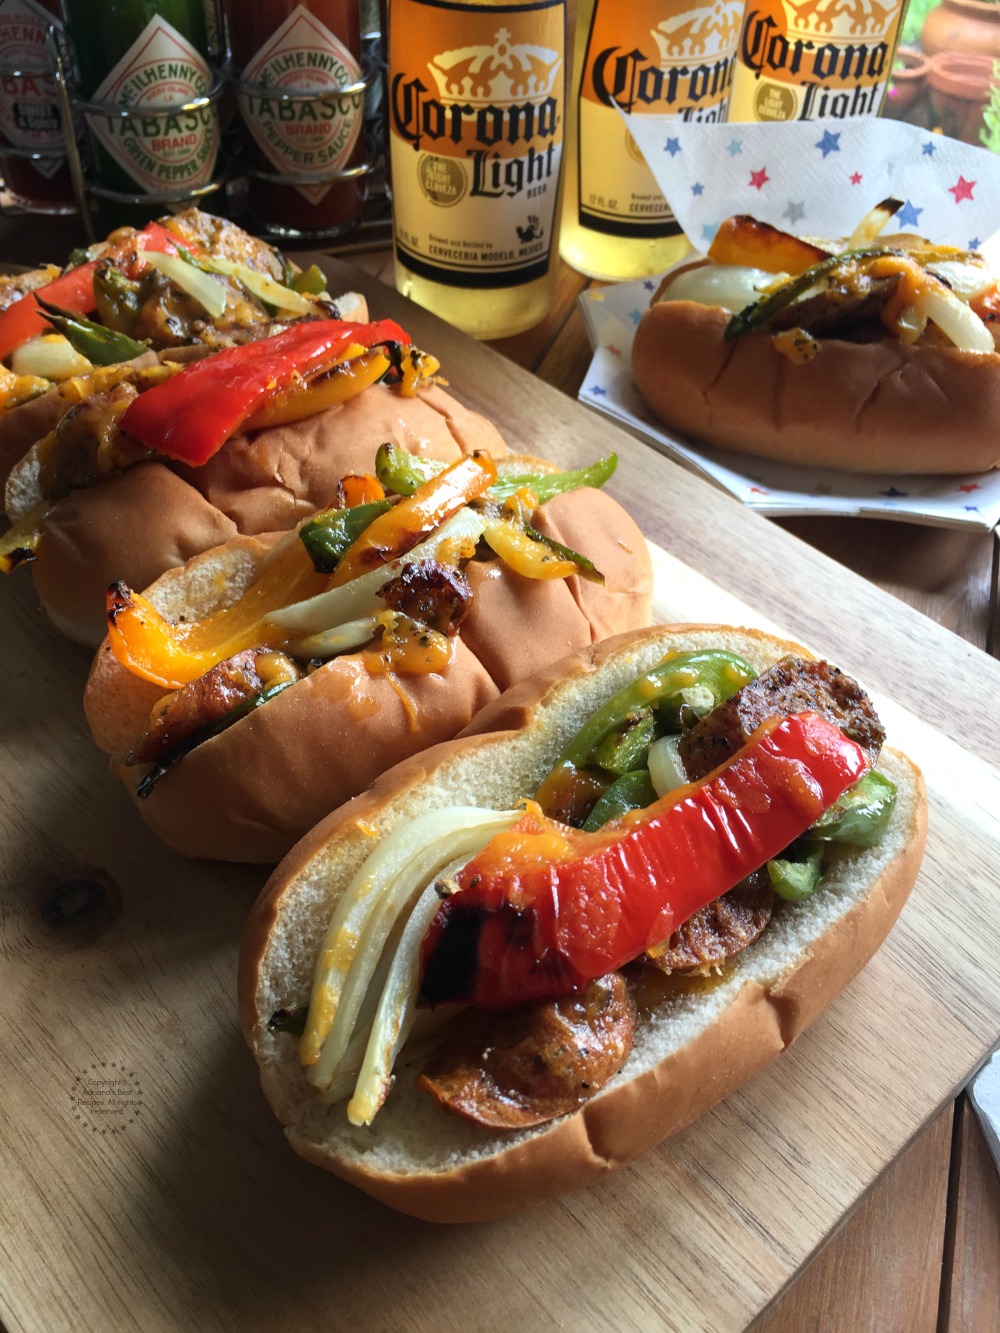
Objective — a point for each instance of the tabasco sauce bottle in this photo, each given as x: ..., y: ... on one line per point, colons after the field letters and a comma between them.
x: 136, y: 64
x: 36, y: 173
x: 477, y: 104
x: 814, y: 59
x: 301, y: 99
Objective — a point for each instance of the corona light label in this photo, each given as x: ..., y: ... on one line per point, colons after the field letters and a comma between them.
x: 812, y: 59
x: 303, y: 136
x: 476, y: 131
x: 29, y: 112
x: 648, y: 58
x: 162, y: 148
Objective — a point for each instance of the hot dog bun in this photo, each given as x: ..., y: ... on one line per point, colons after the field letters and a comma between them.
x: 139, y: 522
x: 249, y: 793
x: 864, y: 407
x: 690, y: 1051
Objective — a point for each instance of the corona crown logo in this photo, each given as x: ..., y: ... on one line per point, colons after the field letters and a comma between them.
x: 498, y: 75
x: 840, y: 18
x: 700, y: 31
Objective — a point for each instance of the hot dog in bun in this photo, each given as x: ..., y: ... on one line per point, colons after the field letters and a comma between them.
x: 155, y: 462
x: 252, y: 691
x: 526, y: 956
x: 874, y: 354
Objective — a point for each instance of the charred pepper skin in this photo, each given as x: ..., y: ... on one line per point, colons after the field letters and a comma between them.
x: 545, y: 909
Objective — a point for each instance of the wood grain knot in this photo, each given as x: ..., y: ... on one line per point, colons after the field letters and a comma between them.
x: 81, y: 907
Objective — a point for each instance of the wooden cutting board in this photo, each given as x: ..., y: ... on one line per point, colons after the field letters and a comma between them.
x: 144, y: 1183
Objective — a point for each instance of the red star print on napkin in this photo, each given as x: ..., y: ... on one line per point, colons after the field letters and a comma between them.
x: 856, y: 178
x: 758, y: 179
x: 962, y: 189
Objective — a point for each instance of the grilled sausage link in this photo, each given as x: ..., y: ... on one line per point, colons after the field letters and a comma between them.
x: 525, y: 1066
x: 793, y: 685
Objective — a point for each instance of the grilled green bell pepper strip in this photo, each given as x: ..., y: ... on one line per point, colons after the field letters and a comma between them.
x: 658, y: 690
x: 402, y: 473
x: 586, y: 569
x: 794, y: 879
x: 632, y: 791
x: 118, y: 298
x: 859, y: 818
x: 627, y: 746
x: 310, y: 282
x: 292, y: 1021
x: 329, y: 535
x: 721, y: 672
x: 196, y: 738
x: 101, y: 346
x: 756, y: 316
x: 862, y: 814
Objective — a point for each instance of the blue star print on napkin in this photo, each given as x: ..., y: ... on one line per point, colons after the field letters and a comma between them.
x: 830, y: 143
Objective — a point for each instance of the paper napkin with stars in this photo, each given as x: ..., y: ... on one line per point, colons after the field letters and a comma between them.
x: 815, y: 178
x: 820, y: 177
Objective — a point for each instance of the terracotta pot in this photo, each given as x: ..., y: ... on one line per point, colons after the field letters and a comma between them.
x: 959, y: 90
x: 972, y: 26
x: 906, y: 99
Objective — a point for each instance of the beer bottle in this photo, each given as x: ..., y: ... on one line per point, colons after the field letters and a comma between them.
x: 814, y: 59
x: 150, y: 56
x: 36, y: 174
x: 284, y: 47
x: 651, y: 57
x: 476, y: 122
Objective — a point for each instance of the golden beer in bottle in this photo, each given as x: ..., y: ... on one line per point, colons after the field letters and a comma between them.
x: 814, y: 59
x: 476, y: 123
x: 650, y: 57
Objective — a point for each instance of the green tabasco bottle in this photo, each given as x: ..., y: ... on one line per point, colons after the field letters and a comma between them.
x: 144, y: 60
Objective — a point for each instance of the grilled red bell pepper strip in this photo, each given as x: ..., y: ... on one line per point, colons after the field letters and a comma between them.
x: 545, y: 908
x: 72, y: 291
x: 192, y: 415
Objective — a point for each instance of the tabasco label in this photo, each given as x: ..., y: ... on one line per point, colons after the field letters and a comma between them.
x: 162, y: 148
x: 670, y: 58
x: 29, y: 111
x: 303, y: 137
x: 476, y: 133
x: 810, y: 59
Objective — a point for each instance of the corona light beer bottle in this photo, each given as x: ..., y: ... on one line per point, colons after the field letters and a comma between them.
x: 814, y: 59
x: 650, y: 57
x: 476, y: 121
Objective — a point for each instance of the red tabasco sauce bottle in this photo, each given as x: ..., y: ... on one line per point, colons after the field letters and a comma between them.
x: 142, y: 61
x: 37, y: 174
x: 301, y: 99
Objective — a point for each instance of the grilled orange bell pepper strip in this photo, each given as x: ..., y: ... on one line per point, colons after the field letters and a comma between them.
x: 743, y: 240
x: 393, y: 533
x: 546, y: 908
x: 348, y: 377
x: 531, y: 558
x: 192, y: 416
x: 72, y: 291
x: 174, y: 655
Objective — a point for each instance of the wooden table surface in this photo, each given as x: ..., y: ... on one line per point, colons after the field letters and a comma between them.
x: 922, y: 1250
